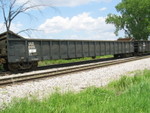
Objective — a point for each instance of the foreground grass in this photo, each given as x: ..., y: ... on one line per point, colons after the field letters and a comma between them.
x: 127, y: 95
x: 50, y: 62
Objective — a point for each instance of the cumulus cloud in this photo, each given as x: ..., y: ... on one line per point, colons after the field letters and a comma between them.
x: 62, y: 2
x: 82, y: 24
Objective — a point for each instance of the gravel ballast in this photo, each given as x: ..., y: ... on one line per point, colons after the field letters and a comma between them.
x: 71, y: 82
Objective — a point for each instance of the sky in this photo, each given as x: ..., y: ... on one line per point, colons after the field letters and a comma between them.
x: 67, y: 19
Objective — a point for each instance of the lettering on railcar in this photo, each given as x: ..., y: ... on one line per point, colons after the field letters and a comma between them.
x: 32, y: 49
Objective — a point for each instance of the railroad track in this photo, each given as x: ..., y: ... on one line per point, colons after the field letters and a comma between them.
x: 5, y: 80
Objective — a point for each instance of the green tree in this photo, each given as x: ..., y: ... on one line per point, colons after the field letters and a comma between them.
x: 134, y: 18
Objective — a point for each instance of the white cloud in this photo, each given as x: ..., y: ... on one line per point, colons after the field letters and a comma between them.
x: 62, y: 2
x: 80, y: 22
x: 103, y: 9
x: 83, y: 25
x: 55, y: 25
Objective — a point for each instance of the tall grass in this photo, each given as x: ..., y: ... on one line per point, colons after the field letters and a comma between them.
x: 127, y: 95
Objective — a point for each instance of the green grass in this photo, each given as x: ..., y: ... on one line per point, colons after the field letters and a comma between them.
x: 127, y: 95
x: 50, y: 62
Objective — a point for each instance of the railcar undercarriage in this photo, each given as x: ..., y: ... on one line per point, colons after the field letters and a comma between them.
x: 14, y: 67
x: 123, y: 55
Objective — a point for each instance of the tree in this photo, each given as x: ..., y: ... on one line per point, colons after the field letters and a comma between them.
x: 134, y: 18
x: 10, y: 9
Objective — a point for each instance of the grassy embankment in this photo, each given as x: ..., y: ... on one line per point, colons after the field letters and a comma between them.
x: 50, y: 62
x: 127, y: 95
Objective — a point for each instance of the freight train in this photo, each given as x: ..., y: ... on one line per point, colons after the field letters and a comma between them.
x: 18, y: 53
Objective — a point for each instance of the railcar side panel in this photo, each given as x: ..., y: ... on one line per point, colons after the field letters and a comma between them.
x: 85, y: 49
x: 91, y: 49
x: 46, y: 50
x: 147, y: 44
x: 111, y: 48
x: 55, y: 50
x: 64, y: 49
x: 116, y: 49
x: 97, y: 48
x: 16, y: 51
x: 103, y: 48
x: 107, y: 48
x: 127, y: 47
x: 72, y: 50
x: 122, y: 47
x: 79, y: 49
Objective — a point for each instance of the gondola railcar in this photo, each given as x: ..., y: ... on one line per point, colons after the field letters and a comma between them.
x: 18, y: 53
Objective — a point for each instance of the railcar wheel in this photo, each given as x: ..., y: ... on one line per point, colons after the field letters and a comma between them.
x: 25, y: 65
x: 116, y: 56
x: 14, y: 67
x: 28, y: 65
x: 94, y: 57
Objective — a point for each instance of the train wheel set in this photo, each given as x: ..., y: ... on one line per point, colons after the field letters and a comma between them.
x: 15, y: 67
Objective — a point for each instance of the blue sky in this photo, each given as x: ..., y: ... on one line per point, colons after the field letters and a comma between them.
x: 69, y: 19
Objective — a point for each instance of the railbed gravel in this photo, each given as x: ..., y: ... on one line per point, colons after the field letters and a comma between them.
x: 70, y: 82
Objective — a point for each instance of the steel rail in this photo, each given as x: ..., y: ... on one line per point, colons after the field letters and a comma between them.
x: 15, y: 79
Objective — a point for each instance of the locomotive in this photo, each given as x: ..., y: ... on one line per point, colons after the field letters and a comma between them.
x: 18, y: 53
